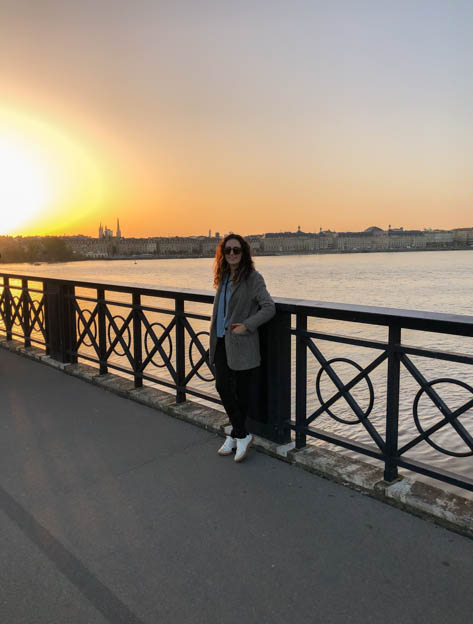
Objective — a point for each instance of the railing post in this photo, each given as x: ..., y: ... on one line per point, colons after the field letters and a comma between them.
x: 273, y: 408
x: 69, y: 293
x: 8, y: 319
x: 180, y: 351
x: 59, y: 322
x: 392, y: 403
x: 25, y: 313
x: 301, y: 380
x: 102, y: 331
x: 137, y: 344
x: 50, y: 322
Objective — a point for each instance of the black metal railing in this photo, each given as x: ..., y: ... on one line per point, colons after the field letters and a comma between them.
x: 383, y: 446
x: 121, y: 327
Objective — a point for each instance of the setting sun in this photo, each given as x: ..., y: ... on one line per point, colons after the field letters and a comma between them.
x: 24, y: 188
x: 48, y: 179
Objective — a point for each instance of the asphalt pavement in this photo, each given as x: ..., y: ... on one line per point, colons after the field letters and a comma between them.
x: 113, y: 512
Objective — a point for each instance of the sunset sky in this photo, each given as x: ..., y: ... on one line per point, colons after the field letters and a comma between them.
x: 182, y: 116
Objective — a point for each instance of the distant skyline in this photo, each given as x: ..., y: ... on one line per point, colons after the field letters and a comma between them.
x: 112, y: 231
x: 186, y: 116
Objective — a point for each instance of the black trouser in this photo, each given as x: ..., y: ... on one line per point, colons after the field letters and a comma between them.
x: 237, y: 389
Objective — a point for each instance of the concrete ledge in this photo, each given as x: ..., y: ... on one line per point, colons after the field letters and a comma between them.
x: 272, y: 448
x: 195, y: 413
x: 12, y: 345
x: 153, y: 397
x: 447, y: 508
x: 46, y: 359
x: 31, y: 352
x: 284, y: 450
x: 337, y: 467
x: 83, y: 371
x: 429, y: 502
x: 114, y: 383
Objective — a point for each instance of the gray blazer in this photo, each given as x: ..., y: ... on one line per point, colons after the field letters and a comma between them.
x: 250, y: 304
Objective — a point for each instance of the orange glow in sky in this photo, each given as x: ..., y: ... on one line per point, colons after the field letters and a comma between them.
x: 178, y: 120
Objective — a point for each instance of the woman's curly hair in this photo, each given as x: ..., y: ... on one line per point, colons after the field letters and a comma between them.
x: 221, y: 267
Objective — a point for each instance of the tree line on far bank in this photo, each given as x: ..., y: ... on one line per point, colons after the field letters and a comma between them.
x: 44, y: 249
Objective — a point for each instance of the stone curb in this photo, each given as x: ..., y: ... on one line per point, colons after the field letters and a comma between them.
x: 427, y: 501
x: 337, y: 467
x: 445, y: 508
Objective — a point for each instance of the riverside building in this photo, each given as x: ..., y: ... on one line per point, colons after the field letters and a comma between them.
x: 110, y: 245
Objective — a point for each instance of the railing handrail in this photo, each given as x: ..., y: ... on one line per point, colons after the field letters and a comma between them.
x: 458, y: 324
x: 202, y: 296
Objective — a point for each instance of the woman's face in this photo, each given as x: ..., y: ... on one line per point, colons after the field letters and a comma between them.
x: 233, y: 258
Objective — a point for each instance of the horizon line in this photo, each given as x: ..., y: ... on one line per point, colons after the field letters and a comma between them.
x: 210, y: 236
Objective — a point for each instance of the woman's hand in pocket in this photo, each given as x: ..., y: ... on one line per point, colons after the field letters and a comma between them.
x: 239, y: 328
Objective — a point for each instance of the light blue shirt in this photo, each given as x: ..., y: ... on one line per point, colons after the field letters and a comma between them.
x: 222, y: 311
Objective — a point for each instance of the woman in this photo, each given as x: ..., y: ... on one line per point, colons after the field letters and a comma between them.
x: 241, y: 305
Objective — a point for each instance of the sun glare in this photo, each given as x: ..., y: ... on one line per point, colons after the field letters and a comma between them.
x: 24, y: 185
x: 48, y: 179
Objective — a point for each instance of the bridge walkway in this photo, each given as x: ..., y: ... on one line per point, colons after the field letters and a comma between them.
x: 113, y: 512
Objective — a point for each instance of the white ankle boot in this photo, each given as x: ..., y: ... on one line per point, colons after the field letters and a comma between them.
x: 228, y: 446
x: 242, y: 447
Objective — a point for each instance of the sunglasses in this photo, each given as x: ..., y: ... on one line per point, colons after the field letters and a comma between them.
x: 228, y: 250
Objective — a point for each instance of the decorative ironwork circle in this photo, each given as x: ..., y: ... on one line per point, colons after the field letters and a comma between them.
x: 119, y: 347
x: 149, y: 349
x: 92, y: 327
x: 39, y: 320
x: 417, y: 420
x: 18, y: 310
x: 191, y: 359
x: 366, y: 378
